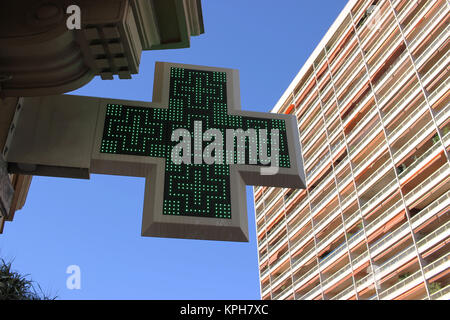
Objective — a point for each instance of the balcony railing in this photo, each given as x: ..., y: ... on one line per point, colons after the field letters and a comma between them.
x: 313, y: 171
x: 330, y: 195
x: 357, y: 107
x: 311, y: 293
x: 313, y: 140
x: 306, y: 275
x: 361, y: 123
x: 335, y: 233
x: 311, y: 124
x: 441, y: 64
x: 345, y: 65
x: 374, y: 176
x: 388, y: 72
x: 398, y: 104
x: 407, y: 252
x: 268, y: 206
x: 419, y: 160
x: 431, y: 48
x: 380, y: 195
x: 441, y: 293
x: 393, y: 88
x: 283, y: 292
x: 347, y: 200
x: 319, y: 187
x: 365, y: 162
x: 305, y: 84
x: 392, y: 44
x: 424, y: 184
x: 413, y: 141
x: 410, y: 25
x: 355, y: 150
x: 392, y: 235
x: 415, y: 276
x: 356, y: 87
x: 416, y: 220
x: 279, y: 276
x: 339, y: 38
x: 438, y: 91
x: 425, y: 28
x: 408, y: 121
x: 324, y: 221
x: 389, y: 30
x: 301, y: 259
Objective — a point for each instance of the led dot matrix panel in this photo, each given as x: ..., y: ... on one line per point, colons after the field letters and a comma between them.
x: 189, y: 190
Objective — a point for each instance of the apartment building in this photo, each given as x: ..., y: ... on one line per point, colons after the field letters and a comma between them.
x: 373, y: 110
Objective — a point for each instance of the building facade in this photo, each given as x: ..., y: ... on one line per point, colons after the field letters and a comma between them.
x: 41, y: 56
x: 373, y: 110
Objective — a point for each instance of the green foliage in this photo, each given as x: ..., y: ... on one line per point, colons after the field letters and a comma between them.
x: 14, y: 286
x: 445, y: 130
x: 434, y: 287
x: 403, y: 276
x: 435, y: 138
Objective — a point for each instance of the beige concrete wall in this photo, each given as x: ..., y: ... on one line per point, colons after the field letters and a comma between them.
x: 20, y: 183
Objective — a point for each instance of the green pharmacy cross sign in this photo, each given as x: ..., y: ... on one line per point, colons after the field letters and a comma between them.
x: 193, y: 145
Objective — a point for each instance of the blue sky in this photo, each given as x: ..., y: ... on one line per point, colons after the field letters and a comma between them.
x: 96, y: 223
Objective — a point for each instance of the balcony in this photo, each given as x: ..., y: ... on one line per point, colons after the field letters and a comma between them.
x: 381, y: 59
x: 429, y: 211
x: 279, y: 278
x: 306, y: 277
x: 357, y: 108
x: 320, y: 186
x: 362, y: 81
x: 344, y: 67
x: 436, y: 94
x: 312, y: 294
x: 362, y: 123
x: 440, y: 40
x: 420, y: 161
x: 317, y: 168
x: 401, y: 81
x: 283, y: 294
x: 399, y: 233
x: 388, y: 189
x: 349, y: 82
x: 355, y: 150
x: 436, y: 69
x: 392, y: 69
x: 318, y: 134
x: 406, y: 255
x: 300, y: 91
x: 408, y: 122
x: 319, y: 206
x: 406, y: 10
x: 268, y: 206
x: 413, y: 280
x: 427, y: 130
x: 388, y: 30
x: 274, y: 231
x: 402, y: 103
x: 339, y: 38
x: 383, y: 14
x: 437, y: 18
x: 418, y: 16
x: 377, y: 175
x: 374, y: 154
x: 326, y: 220
x: 443, y: 294
x: 427, y: 184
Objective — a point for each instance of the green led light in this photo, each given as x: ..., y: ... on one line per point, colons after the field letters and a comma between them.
x: 190, y: 190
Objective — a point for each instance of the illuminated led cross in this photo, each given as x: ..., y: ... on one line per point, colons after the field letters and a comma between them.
x: 195, y: 200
